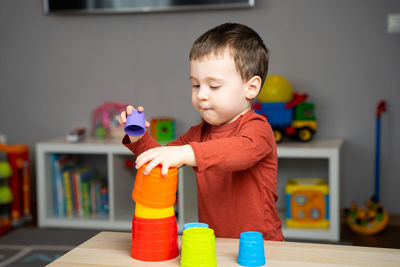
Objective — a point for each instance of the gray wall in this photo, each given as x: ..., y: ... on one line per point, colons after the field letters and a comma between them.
x: 54, y: 70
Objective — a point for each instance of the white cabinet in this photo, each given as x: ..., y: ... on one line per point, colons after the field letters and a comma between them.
x: 316, y: 151
x: 109, y: 156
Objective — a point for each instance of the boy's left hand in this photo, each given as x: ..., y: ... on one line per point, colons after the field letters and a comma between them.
x: 167, y: 156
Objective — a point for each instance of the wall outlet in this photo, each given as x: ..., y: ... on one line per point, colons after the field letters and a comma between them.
x: 3, y: 139
x: 393, y: 23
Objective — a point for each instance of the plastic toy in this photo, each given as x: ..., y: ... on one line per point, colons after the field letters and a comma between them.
x: 154, y: 227
x: 135, y: 124
x: 19, y: 181
x: 6, y: 197
x: 163, y: 129
x: 154, y: 239
x: 150, y: 213
x: 198, y: 247
x: 153, y: 190
x: 276, y: 89
x: 307, y: 203
x: 372, y: 218
x: 76, y: 135
x: 194, y: 225
x: 251, y: 249
x: 105, y: 120
x: 287, y: 112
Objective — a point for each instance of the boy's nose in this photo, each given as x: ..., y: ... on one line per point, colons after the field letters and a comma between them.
x: 202, y: 94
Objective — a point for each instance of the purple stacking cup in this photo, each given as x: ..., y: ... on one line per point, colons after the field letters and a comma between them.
x: 134, y: 125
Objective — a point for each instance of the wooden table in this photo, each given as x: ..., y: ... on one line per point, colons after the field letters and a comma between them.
x: 113, y: 249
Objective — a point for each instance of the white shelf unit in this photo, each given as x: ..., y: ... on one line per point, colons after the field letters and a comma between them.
x: 107, y: 155
x: 121, y: 181
x: 319, y: 149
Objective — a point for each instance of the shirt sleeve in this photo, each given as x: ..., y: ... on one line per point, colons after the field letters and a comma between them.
x: 147, y: 141
x: 253, y: 142
x: 141, y: 145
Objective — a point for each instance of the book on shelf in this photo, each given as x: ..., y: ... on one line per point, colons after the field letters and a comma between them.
x: 67, y: 193
x: 60, y: 164
x: 78, y: 191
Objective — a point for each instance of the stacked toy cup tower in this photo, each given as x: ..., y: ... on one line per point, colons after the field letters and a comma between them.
x: 154, y: 228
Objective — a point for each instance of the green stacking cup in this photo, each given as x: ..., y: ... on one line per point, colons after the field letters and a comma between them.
x: 198, y: 248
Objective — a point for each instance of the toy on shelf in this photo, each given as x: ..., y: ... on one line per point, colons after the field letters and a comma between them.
x: 105, y: 120
x: 76, y: 135
x: 6, y: 197
x: 163, y: 129
x: 372, y: 218
x: 307, y: 203
x: 19, y: 182
x: 287, y: 112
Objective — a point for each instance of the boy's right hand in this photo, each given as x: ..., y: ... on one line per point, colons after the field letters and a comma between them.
x: 122, y: 120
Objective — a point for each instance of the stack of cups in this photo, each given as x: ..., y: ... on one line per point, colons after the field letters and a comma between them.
x: 251, y: 249
x: 198, y: 247
x: 154, y: 228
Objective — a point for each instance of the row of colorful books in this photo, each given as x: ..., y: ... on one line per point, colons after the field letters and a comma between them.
x: 78, y: 191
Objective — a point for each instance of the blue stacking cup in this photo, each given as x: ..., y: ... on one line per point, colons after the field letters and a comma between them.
x: 251, y: 249
x: 194, y: 225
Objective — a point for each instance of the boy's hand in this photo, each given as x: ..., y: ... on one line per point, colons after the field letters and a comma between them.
x: 122, y: 120
x: 167, y: 156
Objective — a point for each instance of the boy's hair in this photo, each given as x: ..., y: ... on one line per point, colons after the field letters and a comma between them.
x: 247, y: 48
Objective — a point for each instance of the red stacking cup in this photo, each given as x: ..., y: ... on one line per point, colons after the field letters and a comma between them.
x: 154, y: 239
x: 154, y: 190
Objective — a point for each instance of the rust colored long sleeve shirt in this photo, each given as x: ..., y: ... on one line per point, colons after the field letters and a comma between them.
x: 236, y: 175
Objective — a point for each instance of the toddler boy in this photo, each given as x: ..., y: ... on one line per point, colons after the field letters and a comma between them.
x: 233, y: 150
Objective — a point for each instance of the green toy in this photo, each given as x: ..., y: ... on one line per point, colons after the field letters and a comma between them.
x: 5, y: 194
x: 5, y: 191
x: 5, y: 169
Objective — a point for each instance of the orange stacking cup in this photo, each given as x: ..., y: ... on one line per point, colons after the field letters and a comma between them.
x: 154, y: 239
x: 154, y: 190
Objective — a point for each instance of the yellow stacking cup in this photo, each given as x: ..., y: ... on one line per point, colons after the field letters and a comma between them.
x: 198, y: 248
x: 150, y: 213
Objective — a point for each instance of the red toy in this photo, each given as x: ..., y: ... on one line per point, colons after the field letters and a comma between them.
x: 286, y: 111
x: 18, y: 158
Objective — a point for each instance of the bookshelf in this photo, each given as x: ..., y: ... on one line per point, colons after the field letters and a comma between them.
x: 109, y: 156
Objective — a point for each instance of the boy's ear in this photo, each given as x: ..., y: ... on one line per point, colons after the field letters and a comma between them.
x: 253, y: 87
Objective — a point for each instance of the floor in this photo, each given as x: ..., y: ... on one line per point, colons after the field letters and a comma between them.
x: 388, y: 238
x: 32, y: 246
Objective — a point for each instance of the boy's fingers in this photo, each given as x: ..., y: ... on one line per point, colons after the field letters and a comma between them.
x: 140, y: 109
x: 151, y: 166
x: 129, y: 110
x: 122, y: 118
x: 146, y: 124
x: 143, y: 158
x: 164, y: 170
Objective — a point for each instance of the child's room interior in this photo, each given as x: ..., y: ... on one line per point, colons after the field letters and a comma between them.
x: 68, y: 70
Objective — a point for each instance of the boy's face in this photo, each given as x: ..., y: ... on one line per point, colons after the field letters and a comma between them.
x: 218, y: 91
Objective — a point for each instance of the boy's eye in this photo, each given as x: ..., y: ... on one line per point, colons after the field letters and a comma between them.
x: 214, y: 86
x: 195, y: 85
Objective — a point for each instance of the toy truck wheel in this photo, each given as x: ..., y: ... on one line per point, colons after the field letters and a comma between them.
x: 278, y: 135
x: 304, y: 134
